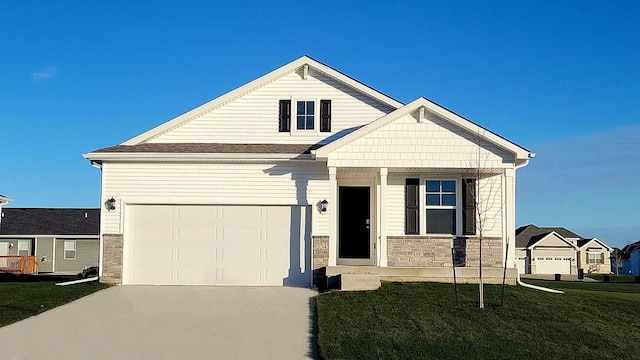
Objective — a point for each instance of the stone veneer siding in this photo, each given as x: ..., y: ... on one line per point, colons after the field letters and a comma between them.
x: 112, y: 259
x: 433, y: 251
x: 320, y: 258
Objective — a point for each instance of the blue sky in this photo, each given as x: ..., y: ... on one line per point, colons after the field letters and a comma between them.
x: 560, y: 78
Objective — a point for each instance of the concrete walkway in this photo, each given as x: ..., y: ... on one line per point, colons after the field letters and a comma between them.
x: 144, y: 322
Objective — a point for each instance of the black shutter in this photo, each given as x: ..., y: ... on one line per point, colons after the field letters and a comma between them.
x: 412, y: 204
x: 285, y: 116
x: 325, y: 115
x: 469, y: 206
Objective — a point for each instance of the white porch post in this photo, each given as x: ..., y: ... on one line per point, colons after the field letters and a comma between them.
x: 333, y: 217
x: 383, y: 218
x: 510, y: 212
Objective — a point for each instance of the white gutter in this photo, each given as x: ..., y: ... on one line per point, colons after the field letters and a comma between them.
x: 147, y: 157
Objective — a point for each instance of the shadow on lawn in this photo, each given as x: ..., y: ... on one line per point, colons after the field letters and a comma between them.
x: 9, y: 277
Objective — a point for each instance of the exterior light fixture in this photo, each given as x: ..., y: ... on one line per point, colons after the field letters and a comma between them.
x: 323, y: 205
x: 110, y: 204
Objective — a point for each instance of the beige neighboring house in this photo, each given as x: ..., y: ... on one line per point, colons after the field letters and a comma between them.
x: 594, y: 256
x: 63, y: 241
x: 556, y: 250
x: 305, y: 173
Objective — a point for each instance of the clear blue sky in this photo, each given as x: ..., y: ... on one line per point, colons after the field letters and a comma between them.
x: 561, y: 78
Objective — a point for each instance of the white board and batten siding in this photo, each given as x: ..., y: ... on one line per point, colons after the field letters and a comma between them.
x: 287, y: 183
x: 253, y: 117
x: 433, y: 143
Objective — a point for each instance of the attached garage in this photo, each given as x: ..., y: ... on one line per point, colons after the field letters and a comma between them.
x: 217, y: 245
x: 553, y: 265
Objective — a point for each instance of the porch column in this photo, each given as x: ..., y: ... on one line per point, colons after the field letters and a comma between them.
x: 510, y: 214
x: 333, y: 217
x: 383, y: 217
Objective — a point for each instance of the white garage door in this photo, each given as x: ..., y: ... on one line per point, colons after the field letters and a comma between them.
x: 553, y: 265
x: 217, y: 245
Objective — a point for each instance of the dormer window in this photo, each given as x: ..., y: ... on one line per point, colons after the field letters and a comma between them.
x: 305, y: 115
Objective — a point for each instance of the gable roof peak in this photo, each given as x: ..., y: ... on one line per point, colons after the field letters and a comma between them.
x: 259, y: 82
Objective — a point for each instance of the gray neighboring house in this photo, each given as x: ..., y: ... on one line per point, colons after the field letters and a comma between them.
x: 64, y: 241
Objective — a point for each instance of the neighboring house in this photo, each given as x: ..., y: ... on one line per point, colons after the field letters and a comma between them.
x: 556, y: 250
x: 305, y: 171
x: 3, y: 201
x: 64, y: 241
x: 631, y: 264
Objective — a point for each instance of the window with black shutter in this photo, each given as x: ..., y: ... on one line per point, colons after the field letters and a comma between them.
x: 412, y: 207
x: 285, y: 116
x: 325, y: 115
x: 469, y: 206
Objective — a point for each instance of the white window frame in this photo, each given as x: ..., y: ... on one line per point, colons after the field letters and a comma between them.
x: 68, y: 248
x: 21, y: 247
x: 424, y: 207
x: 316, y: 117
x: 600, y: 259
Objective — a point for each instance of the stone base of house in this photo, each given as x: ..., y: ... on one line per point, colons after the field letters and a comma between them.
x: 370, y: 277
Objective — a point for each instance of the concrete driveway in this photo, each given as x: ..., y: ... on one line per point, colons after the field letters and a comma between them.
x: 162, y: 322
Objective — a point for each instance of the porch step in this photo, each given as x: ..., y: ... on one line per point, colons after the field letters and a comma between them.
x: 350, y: 282
x: 369, y: 277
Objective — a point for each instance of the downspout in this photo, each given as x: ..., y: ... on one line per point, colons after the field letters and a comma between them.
x: 553, y: 291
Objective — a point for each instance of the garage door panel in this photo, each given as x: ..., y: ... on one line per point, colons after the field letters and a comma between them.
x: 217, y: 245
x: 195, y: 257
x: 199, y: 236
x: 152, y: 256
x: 159, y: 234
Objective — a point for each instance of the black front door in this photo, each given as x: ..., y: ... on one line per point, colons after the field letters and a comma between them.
x: 354, y: 222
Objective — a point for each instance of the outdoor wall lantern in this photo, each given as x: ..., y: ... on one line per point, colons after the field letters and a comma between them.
x: 323, y: 205
x: 110, y: 204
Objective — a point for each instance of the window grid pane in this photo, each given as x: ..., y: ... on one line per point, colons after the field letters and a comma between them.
x: 441, y: 206
x: 305, y: 115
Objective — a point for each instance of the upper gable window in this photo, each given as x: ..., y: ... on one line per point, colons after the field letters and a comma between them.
x: 305, y: 115
x: 309, y: 115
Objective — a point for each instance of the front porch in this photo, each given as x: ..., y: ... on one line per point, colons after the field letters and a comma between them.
x: 370, y: 277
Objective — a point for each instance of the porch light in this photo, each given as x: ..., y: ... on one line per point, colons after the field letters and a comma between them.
x: 323, y: 205
x: 110, y: 204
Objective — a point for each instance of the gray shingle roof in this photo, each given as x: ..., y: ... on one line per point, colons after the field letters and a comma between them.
x: 213, y: 148
x: 39, y: 221
x: 529, y: 234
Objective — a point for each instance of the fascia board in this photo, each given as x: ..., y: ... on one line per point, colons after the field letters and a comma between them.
x: 599, y: 242
x: 530, y: 247
x: 259, y: 82
x: 156, y: 157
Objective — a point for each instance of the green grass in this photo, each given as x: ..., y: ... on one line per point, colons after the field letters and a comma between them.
x: 422, y: 321
x: 23, y: 297
x: 613, y: 278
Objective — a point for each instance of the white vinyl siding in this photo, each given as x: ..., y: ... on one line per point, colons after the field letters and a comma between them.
x: 286, y: 183
x: 254, y: 116
x: 434, y: 143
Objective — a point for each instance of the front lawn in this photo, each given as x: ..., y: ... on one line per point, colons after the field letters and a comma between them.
x: 422, y: 321
x: 23, y: 297
x: 613, y: 278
